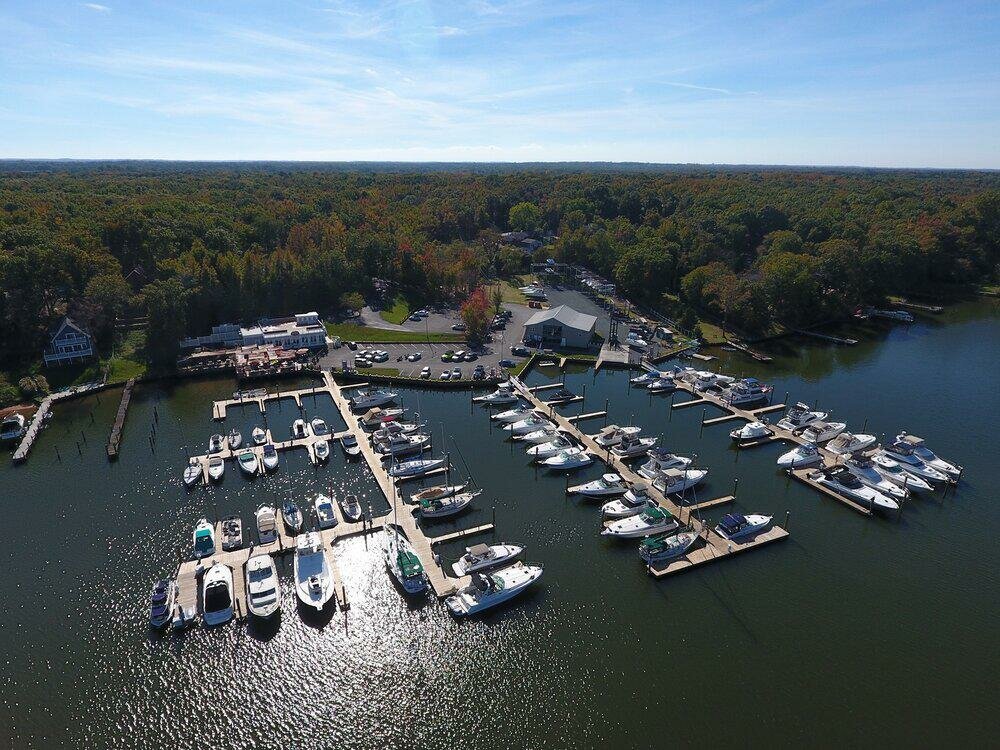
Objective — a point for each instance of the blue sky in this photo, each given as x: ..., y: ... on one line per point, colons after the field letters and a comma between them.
x: 844, y: 82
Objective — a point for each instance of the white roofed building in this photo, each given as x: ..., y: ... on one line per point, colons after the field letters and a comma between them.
x: 560, y: 327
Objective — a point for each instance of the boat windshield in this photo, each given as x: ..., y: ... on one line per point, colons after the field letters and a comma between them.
x: 256, y: 576
x: 217, y: 597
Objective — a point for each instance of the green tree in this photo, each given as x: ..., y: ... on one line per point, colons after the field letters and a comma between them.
x: 525, y: 217
x: 166, y: 305
x: 352, y: 301
x: 496, y: 296
x: 791, y: 284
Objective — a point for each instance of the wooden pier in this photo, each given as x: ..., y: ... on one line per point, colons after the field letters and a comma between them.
x: 115, y: 438
x: 827, y: 337
x: 35, y: 426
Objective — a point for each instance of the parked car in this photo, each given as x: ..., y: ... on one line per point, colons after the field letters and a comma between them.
x: 425, y: 373
x: 423, y: 313
x: 507, y: 363
x: 470, y: 357
x: 446, y: 357
x: 415, y: 318
x: 352, y: 345
x: 445, y: 375
x: 458, y: 327
x: 519, y: 351
x: 456, y: 373
x: 414, y: 357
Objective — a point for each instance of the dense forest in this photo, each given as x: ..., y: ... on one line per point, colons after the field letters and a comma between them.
x: 190, y: 245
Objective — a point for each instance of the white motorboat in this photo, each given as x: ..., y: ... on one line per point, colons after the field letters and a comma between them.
x: 394, y: 428
x: 641, y: 381
x: 608, y: 484
x: 903, y: 453
x: 702, y: 380
x: 447, y: 506
x: 543, y: 435
x: 313, y: 581
x: 216, y: 467
x: 350, y: 445
x: 661, y: 459
x: 512, y: 415
x: 570, y: 458
x: 678, y: 481
x: 416, y: 467
x: 546, y: 450
x: 662, y: 385
x: 504, y: 394
x: 746, y: 391
x: 262, y: 587
x: 800, y: 416
x: 267, y: 524
x: 612, y: 435
x: 377, y: 417
x: 400, y: 445
x: 216, y: 443
x: 270, y: 457
x: 326, y: 517
x: 292, y: 516
x: 350, y: 506
x: 900, y: 315
x: 843, y: 482
x: 300, y: 429
x: 322, y: 449
x: 634, y: 501
x: 751, y: 431
x: 891, y: 470
x: 235, y: 439
x: 192, y: 472
x: 161, y: 603
x: 217, y: 595
x: 531, y: 423
x: 259, y: 436
x: 800, y: 457
x: 319, y: 426
x: 232, y: 533
x: 633, y: 447
x: 925, y: 454
x: 735, y: 526
x: 637, y: 343
x: 820, y: 432
x: 652, y: 520
x: 847, y: 443
x: 369, y: 399
x: 666, y: 546
x: 483, y: 557
x: 248, y: 462
x: 12, y: 427
x: 402, y: 561
x: 203, y: 539
x: 490, y: 589
x: 864, y: 469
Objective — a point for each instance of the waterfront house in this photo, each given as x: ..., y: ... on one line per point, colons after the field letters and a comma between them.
x: 68, y: 343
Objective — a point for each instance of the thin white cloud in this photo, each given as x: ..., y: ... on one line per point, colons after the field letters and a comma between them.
x: 449, y: 31
x: 97, y: 7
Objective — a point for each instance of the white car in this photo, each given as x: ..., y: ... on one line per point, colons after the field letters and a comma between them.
x: 457, y: 356
x: 456, y: 373
x: 445, y: 375
x: 423, y: 313
x: 381, y: 356
x: 425, y: 373
x: 414, y: 357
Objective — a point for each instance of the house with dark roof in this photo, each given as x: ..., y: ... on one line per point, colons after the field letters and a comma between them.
x: 560, y: 327
x: 68, y: 342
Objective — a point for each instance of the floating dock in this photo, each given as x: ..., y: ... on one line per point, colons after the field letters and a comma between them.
x: 115, y: 438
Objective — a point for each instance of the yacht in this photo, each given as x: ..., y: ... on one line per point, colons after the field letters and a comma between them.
x: 248, y: 462
x: 313, y: 581
x: 436, y: 492
x: 608, y: 484
x: 666, y: 546
x: 483, y: 557
x: 217, y: 595
x: 447, y: 506
x: 504, y: 394
x: 322, y: 449
x: 377, y: 416
x: 902, y: 452
x: 394, y: 429
x: 415, y: 468
x: 746, y: 391
x: 635, y: 342
x: 891, y: 470
x: 562, y: 396
x: 652, y: 520
x: 843, y: 482
x: 570, y: 458
x: 678, y: 481
x: 400, y: 445
x: 703, y: 380
x: 636, y: 500
x: 820, y: 432
x: 204, y: 539
x: 267, y: 526
x: 368, y: 399
x: 612, y: 435
x: 216, y: 443
x: 901, y: 315
x: 751, y: 431
x: 270, y: 457
x: 641, y: 381
x: 531, y: 423
x: 661, y: 459
x: 735, y: 526
x: 235, y: 439
x: 300, y: 429
x: 350, y: 506
x: 925, y: 454
x: 490, y: 589
x: 262, y: 587
x: 801, y: 456
x: 232, y: 533
x: 161, y: 603
x: 662, y: 385
x: 350, y: 445
x: 544, y: 435
x: 546, y: 450
x: 325, y: 515
x: 319, y: 426
x: 864, y: 469
x: 633, y: 447
x: 800, y: 416
x: 292, y: 516
x: 402, y: 561
x: 12, y: 427
x: 192, y: 472
x: 847, y: 443
x: 216, y: 467
x: 259, y: 436
x: 512, y: 415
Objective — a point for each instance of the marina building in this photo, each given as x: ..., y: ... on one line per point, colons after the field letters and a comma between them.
x: 560, y: 326
x: 301, y: 331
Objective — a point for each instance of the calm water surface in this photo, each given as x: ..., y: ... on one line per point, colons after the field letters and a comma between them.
x: 855, y: 630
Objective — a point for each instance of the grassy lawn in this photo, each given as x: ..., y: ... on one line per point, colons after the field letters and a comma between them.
x: 397, y: 312
x: 711, y: 334
x: 390, y: 372
x: 512, y: 294
x: 350, y: 332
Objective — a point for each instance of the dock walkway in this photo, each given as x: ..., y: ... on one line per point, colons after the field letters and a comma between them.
x: 115, y: 438
x: 31, y: 434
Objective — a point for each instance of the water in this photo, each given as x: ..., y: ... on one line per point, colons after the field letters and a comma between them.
x: 855, y: 630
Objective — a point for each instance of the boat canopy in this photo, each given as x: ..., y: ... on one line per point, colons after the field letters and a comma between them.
x: 479, y: 550
x: 732, y: 522
x: 409, y: 564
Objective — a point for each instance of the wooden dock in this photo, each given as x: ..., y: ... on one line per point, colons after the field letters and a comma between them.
x: 115, y: 438
x: 827, y: 337
x: 803, y: 476
x: 34, y: 427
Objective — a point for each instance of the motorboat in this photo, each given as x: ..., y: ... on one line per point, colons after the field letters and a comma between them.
x: 270, y: 457
x: 735, y: 526
x: 661, y: 459
x: 192, y: 472
x: 612, y: 435
x: 216, y: 443
x: 300, y: 429
x: 903, y: 453
x: 529, y: 424
x: 349, y: 443
x: 678, y: 481
x: 292, y: 517
x: 216, y: 467
x: 544, y: 435
x: 562, y: 396
x: 666, y: 546
x: 746, y: 391
x: 267, y: 526
x: 490, y: 589
x: 416, y: 467
x: 925, y: 454
x: 161, y: 603
x: 751, y: 431
x: 843, y: 482
x: 900, y: 315
x: 235, y: 439
x: 633, y: 447
x: 801, y: 416
x: 641, y: 381
x: 248, y: 462
x: 368, y: 399
x: 546, y: 450
x: 437, y: 492
x: 864, y: 469
x: 652, y: 520
x: 635, y: 342
x: 350, y: 506
x: 662, y: 385
x: 512, y: 415
x: 400, y: 445
x: 313, y: 581
x: 217, y: 595
x: 894, y: 472
x: 326, y: 517
x: 319, y: 426
x: 262, y: 587
x: 570, y: 458
x: 801, y: 456
x: 376, y: 417
x: 847, y: 443
x: 232, y: 533
x: 12, y: 427
x: 702, y: 380
x: 402, y: 562
x: 820, y: 432
x: 393, y: 428
x: 481, y: 557
x: 504, y: 394
x: 259, y: 436
x: 447, y: 506
x: 608, y: 484
x: 204, y: 539
x: 634, y: 501
x: 322, y: 449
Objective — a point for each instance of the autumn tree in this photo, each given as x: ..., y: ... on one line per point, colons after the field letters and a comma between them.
x: 476, y: 316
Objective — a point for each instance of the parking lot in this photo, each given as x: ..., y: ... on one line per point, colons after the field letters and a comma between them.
x: 429, y: 356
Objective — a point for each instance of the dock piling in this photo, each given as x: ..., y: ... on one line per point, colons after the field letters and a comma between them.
x: 787, y: 514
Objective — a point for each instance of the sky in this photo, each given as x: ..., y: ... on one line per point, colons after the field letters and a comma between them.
x: 906, y: 83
